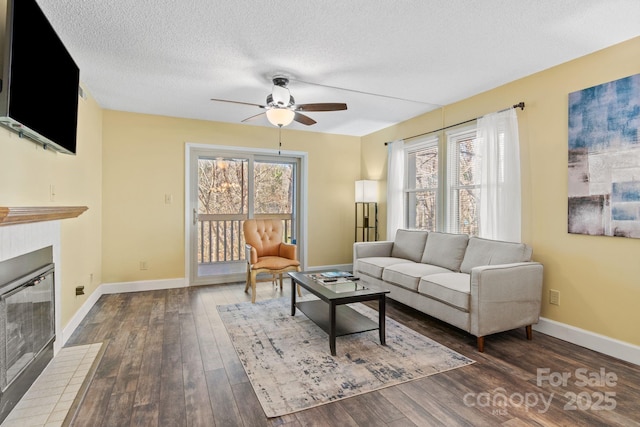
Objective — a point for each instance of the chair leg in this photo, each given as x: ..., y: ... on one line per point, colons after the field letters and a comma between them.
x: 529, y: 330
x: 481, y: 344
x: 280, y: 281
x: 246, y: 286
x: 253, y: 286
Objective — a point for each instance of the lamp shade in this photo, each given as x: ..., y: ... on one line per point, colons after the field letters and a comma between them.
x: 366, y: 191
x: 280, y: 116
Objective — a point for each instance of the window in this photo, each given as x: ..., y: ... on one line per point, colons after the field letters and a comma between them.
x: 422, y: 185
x: 430, y: 195
x: 463, y: 182
x: 469, y: 183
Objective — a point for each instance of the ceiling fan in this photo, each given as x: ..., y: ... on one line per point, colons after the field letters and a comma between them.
x: 281, y: 109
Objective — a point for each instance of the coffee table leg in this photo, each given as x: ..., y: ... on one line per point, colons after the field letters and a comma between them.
x: 381, y: 319
x: 293, y: 297
x: 332, y: 328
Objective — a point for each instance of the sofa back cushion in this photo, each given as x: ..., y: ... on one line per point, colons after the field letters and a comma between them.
x: 409, y: 244
x: 445, y: 250
x: 491, y: 252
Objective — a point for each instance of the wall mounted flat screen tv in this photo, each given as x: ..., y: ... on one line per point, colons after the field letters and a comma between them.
x: 39, y: 88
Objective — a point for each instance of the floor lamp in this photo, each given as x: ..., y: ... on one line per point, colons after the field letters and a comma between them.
x: 366, y: 210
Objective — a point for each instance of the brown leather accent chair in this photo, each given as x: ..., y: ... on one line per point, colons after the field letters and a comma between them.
x: 266, y: 253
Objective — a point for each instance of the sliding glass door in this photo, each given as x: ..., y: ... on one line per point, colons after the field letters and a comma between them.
x: 228, y: 188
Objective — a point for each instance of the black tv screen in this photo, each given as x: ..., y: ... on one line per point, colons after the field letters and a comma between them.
x: 40, y: 79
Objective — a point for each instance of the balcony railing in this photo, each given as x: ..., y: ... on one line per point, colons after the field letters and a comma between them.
x: 220, y: 237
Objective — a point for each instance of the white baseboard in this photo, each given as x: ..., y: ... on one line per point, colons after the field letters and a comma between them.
x: 77, y: 318
x: 143, y: 285
x: 591, y: 340
x: 139, y: 286
x: 116, y: 288
x: 600, y: 343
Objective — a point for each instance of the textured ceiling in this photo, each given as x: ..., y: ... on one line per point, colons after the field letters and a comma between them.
x: 388, y: 60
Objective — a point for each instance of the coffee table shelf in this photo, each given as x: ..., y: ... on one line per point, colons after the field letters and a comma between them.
x: 330, y: 311
x: 348, y: 321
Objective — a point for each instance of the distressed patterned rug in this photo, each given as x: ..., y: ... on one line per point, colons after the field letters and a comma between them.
x: 288, y: 362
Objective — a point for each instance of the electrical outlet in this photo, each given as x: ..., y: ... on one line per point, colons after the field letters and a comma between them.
x: 144, y: 265
x: 554, y: 297
x: 168, y: 199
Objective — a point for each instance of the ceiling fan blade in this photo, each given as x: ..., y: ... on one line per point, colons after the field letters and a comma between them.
x: 254, y: 117
x: 238, y: 102
x: 327, y: 106
x: 305, y: 120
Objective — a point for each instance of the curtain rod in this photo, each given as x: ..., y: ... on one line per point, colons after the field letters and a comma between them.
x: 518, y: 105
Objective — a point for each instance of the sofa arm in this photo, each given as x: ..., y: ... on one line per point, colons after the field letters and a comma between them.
x: 504, y: 297
x: 372, y: 249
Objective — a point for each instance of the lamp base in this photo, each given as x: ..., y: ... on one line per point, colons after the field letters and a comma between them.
x: 366, y: 229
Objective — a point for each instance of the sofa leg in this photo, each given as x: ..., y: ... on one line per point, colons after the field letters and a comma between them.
x: 529, y: 330
x: 481, y: 344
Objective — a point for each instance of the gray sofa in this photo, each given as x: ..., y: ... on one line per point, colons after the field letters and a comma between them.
x: 478, y: 285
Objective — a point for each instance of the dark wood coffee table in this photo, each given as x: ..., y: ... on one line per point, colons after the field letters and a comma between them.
x: 330, y: 312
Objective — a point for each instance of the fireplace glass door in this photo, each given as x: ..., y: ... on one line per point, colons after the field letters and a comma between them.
x: 28, y: 318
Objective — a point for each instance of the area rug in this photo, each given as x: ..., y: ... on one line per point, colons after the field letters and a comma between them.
x: 288, y: 362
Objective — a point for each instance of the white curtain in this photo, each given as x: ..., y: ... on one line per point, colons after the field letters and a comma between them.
x: 499, y: 153
x: 395, y: 188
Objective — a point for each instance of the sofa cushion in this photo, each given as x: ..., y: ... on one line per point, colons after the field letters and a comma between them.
x: 491, y: 252
x: 445, y: 250
x: 407, y: 275
x: 409, y: 244
x: 373, y: 266
x: 453, y: 289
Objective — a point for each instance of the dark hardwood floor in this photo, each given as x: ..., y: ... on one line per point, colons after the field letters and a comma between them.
x: 168, y: 362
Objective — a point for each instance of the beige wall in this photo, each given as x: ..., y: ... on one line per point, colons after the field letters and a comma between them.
x: 597, y: 276
x: 26, y: 173
x: 127, y: 162
x: 144, y: 160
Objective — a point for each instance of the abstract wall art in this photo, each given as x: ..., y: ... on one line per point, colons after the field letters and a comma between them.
x: 604, y: 159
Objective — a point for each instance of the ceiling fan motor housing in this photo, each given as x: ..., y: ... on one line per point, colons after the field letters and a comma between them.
x: 271, y: 103
x: 280, y: 81
x: 280, y: 95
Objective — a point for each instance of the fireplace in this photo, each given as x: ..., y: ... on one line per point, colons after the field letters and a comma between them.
x: 30, y: 243
x: 27, y: 323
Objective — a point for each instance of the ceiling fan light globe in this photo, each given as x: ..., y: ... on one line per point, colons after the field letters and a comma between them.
x: 280, y: 116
